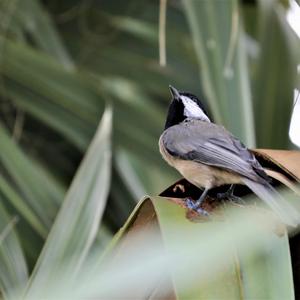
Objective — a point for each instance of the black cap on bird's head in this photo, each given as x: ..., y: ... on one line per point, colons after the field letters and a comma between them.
x: 184, y: 106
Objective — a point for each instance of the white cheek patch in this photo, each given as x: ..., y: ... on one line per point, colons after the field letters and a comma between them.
x: 192, y: 110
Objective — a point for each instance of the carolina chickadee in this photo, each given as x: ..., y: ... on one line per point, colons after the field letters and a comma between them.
x: 207, y: 155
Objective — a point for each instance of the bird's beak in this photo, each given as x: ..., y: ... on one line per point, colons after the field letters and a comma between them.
x: 174, y: 92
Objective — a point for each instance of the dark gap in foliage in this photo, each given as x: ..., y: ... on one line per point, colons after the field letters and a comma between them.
x: 51, y: 149
x: 295, y: 255
x: 120, y: 203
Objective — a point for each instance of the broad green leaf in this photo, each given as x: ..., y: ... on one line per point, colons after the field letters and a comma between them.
x: 217, y: 33
x: 76, y: 225
x: 269, y: 275
x: 244, y: 274
x: 13, y: 269
x: 224, y: 285
x: 230, y: 257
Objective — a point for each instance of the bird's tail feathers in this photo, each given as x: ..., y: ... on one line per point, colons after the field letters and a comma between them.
x: 287, y: 213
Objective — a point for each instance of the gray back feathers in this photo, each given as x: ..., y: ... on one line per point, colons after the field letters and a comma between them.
x: 213, y: 145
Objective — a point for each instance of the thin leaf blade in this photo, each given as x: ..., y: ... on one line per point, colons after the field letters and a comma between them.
x: 218, y: 38
x: 76, y: 225
x: 13, y: 268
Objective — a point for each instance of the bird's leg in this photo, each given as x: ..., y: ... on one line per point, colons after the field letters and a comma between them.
x: 229, y: 195
x: 196, y: 205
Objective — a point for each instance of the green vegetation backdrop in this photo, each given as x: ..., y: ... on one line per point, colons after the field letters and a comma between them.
x: 63, y: 63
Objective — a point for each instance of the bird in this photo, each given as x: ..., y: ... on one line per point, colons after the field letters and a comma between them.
x: 207, y: 155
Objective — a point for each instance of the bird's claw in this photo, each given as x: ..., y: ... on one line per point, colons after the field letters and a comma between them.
x: 193, y: 206
x: 221, y: 196
x: 237, y: 200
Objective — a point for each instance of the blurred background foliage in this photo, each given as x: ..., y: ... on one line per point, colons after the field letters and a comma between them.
x: 64, y: 62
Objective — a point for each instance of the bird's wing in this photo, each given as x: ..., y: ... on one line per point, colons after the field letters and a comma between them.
x: 212, y: 145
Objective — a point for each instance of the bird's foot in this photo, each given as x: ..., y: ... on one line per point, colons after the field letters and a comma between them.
x: 194, y: 206
x: 229, y: 195
x: 237, y: 200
